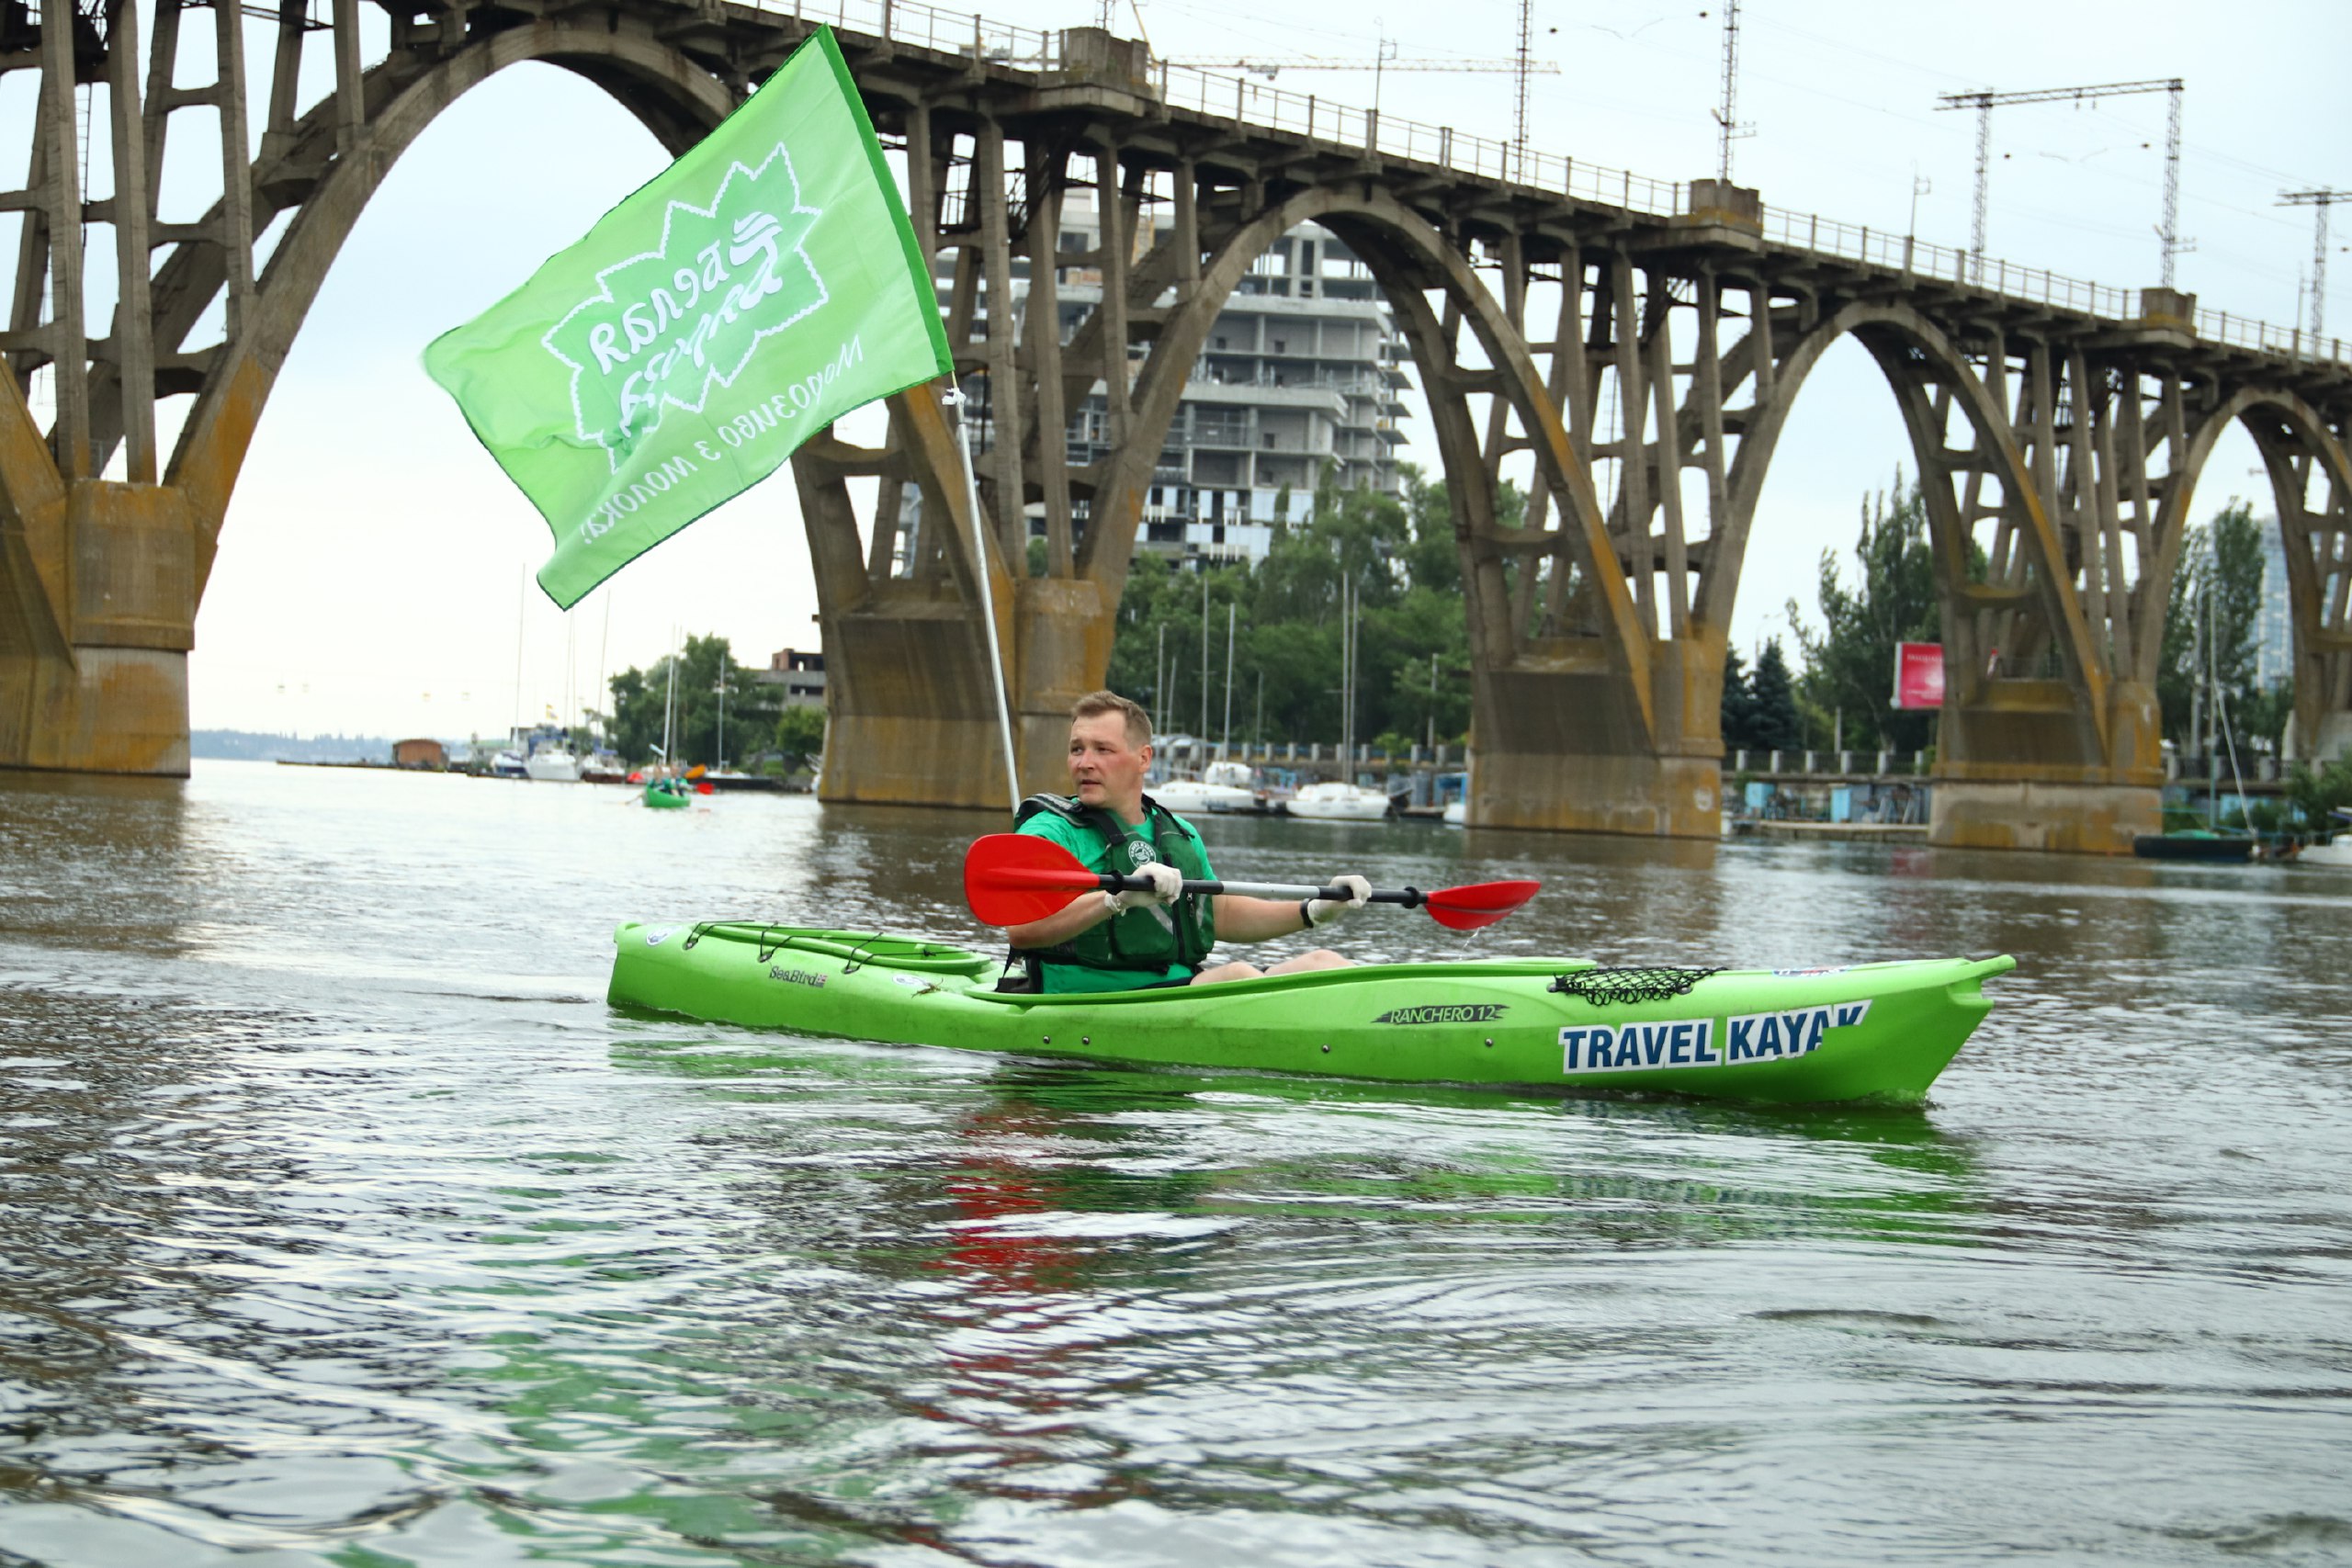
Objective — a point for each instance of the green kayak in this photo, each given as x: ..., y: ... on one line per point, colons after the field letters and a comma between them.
x: 663, y: 798
x: 1878, y: 1031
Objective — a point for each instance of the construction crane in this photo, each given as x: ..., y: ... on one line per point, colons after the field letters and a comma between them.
x: 2322, y: 200
x: 1985, y: 102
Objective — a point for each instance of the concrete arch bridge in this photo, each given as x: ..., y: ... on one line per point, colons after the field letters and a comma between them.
x: 1634, y: 348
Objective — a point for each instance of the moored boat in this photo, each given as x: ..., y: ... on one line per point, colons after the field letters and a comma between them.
x: 1329, y: 800
x: 553, y: 763
x: 1191, y: 797
x: 2333, y: 855
x: 1222, y: 786
x: 2195, y: 843
x: 1879, y: 1031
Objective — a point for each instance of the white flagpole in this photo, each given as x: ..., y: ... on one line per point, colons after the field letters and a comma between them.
x: 988, y: 597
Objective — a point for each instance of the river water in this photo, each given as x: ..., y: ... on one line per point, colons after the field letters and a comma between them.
x: 342, y: 1223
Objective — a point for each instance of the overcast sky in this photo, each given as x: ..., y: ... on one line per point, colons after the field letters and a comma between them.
x: 373, y: 571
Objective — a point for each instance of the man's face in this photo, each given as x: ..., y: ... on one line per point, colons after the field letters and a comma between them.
x: 1104, y: 769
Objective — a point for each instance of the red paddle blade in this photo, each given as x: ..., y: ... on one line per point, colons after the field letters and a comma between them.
x: 1480, y: 904
x: 1010, y: 879
x: 704, y: 786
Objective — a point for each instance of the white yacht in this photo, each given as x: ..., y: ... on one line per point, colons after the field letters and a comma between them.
x: 1329, y: 800
x: 1226, y: 787
x: 553, y: 763
x: 2334, y: 855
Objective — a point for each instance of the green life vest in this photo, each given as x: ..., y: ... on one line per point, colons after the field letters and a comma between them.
x: 1145, y: 940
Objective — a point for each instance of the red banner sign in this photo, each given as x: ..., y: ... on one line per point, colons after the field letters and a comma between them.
x: 1918, y: 675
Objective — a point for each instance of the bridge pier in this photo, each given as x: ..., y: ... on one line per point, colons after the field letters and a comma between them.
x: 912, y: 714
x: 2032, y: 814
x: 1562, y: 744
x: 100, y: 581
x: 1662, y: 798
x: 2023, y: 766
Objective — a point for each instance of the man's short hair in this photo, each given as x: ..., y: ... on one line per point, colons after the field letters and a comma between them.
x: 1096, y: 703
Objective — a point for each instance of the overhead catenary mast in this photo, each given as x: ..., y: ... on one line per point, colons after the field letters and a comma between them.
x: 1518, y: 118
x: 1726, y: 116
x: 1983, y: 104
x: 2322, y: 199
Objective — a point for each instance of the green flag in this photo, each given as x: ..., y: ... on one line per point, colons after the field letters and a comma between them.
x: 745, y: 298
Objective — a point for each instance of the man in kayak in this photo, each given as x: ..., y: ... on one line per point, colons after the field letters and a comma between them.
x: 1159, y: 936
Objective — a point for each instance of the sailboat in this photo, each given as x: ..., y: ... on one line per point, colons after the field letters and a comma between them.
x: 2211, y: 842
x: 552, y: 761
x: 1343, y: 799
x: 1222, y: 786
x: 549, y: 757
x: 669, y: 792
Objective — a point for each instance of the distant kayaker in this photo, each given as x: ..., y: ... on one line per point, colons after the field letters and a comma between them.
x: 1117, y: 942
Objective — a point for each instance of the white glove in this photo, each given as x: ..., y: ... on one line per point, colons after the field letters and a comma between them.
x: 1167, y: 886
x: 1323, y: 912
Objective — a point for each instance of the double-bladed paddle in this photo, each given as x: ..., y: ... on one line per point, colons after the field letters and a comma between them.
x: 1010, y: 879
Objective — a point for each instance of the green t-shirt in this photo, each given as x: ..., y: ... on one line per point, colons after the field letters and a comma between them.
x: 1095, y: 856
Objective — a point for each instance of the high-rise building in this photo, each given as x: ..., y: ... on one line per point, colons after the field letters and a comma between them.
x: 2274, y: 622
x: 1302, y: 372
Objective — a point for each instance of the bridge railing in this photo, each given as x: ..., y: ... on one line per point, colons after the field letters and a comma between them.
x: 928, y: 27
x: 2240, y: 332
x: 1310, y: 115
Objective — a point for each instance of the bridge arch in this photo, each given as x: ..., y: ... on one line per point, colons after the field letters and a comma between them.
x: 2298, y: 444
x: 677, y: 100
x: 1409, y: 259
x: 1932, y: 376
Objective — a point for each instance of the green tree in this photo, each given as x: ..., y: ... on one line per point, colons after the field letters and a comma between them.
x: 1432, y: 557
x: 799, y: 735
x: 2319, y: 793
x: 640, y: 697
x: 1772, y: 696
x: 1737, y: 714
x: 627, y: 728
x: 1849, y: 663
x: 2211, y: 609
x: 1399, y: 558
x: 2263, y: 715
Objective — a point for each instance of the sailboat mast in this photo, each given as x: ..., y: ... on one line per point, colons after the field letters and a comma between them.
x: 603, y: 648
x: 670, y: 701
x: 1203, y: 730
x: 1225, y: 740
x: 522, y: 602
x: 1348, y: 679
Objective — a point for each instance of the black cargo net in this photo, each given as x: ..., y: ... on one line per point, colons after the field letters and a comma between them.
x: 1619, y: 987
